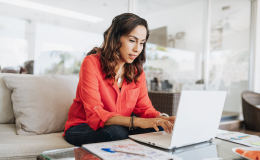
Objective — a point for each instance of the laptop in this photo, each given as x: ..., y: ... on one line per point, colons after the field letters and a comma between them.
x: 197, y: 121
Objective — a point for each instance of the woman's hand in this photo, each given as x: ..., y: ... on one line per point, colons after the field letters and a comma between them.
x: 171, y: 119
x: 167, y: 125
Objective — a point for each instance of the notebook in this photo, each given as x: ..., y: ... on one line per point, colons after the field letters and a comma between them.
x: 197, y: 121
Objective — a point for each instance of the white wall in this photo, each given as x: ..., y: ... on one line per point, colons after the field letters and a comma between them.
x: 186, y: 18
x: 80, y: 40
x: 13, y: 43
x: 237, y: 41
x: 189, y: 18
x: 256, y: 82
x: 49, y: 38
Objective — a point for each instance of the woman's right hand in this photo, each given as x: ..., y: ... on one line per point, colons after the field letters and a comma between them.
x: 153, y: 123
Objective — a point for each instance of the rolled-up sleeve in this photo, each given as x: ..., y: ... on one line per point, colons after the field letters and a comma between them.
x: 144, y: 107
x: 96, y: 116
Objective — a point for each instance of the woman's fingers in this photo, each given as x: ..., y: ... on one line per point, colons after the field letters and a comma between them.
x: 155, y: 127
x: 169, y: 126
x: 171, y: 119
x: 163, y: 125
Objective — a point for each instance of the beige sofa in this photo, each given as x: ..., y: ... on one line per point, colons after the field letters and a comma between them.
x: 33, y: 111
x: 29, y: 102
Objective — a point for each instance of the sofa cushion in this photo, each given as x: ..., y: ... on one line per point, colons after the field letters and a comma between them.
x: 13, y: 146
x: 6, y: 109
x: 41, y: 103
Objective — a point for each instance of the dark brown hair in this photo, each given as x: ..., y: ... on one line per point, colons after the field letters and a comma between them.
x: 121, y: 25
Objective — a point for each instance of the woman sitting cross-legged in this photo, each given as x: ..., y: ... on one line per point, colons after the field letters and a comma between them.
x: 112, y: 85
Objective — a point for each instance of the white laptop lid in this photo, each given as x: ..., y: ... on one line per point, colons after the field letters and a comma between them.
x: 198, y: 117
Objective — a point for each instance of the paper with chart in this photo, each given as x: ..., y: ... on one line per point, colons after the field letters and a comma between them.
x: 128, y: 145
x: 241, y: 138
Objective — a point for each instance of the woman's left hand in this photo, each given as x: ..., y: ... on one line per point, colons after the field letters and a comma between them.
x: 171, y: 119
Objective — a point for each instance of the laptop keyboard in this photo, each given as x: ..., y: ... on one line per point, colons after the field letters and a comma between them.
x: 158, y: 139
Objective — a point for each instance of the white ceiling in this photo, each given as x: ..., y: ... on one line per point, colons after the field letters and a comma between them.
x: 148, y: 6
x: 108, y: 9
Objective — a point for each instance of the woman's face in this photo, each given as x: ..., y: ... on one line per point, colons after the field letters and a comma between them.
x: 132, y: 44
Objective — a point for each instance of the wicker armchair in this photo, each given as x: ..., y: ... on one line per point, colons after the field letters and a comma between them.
x: 251, y: 112
x: 165, y: 102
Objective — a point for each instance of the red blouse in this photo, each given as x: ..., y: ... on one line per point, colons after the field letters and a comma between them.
x: 97, y: 99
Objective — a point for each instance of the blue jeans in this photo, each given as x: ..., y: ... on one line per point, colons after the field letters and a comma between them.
x: 84, y: 134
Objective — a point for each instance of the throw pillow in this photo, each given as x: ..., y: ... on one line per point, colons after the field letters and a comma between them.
x: 41, y: 103
x: 6, y: 108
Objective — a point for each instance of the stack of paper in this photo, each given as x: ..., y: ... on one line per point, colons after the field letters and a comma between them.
x: 241, y: 138
x: 128, y: 146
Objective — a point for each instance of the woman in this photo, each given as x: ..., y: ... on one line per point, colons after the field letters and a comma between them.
x: 112, y: 85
